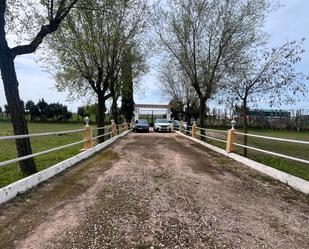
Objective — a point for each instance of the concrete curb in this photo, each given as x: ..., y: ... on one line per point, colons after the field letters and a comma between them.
x: 10, y: 191
x: 293, y: 181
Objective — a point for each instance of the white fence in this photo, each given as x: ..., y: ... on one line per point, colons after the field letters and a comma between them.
x: 295, y: 182
x: 87, y: 136
x: 195, y: 132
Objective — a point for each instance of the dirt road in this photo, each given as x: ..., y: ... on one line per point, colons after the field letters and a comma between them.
x: 157, y: 191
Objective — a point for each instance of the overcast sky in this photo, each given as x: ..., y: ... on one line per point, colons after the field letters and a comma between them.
x: 290, y: 22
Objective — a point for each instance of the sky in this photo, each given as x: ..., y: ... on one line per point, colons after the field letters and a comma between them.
x: 289, y: 22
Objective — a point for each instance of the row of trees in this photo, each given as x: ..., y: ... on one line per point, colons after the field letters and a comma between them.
x: 217, y: 50
x: 43, y: 110
x: 96, y: 51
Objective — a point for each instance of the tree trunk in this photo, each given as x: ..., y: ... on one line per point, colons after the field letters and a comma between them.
x: 101, y: 118
x: 202, y: 117
x: 16, y: 111
x: 245, y: 113
x: 115, y: 111
x: 188, y: 118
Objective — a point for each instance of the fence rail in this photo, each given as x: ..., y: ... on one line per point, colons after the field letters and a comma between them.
x: 231, y: 136
x: 87, y: 139
x: 40, y: 134
x: 273, y: 138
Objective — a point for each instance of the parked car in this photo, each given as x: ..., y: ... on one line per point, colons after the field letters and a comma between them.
x: 162, y: 125
x: 141, y: 125
x: 176, y: 124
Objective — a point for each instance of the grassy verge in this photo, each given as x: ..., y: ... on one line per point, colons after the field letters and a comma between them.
x: 301, y: 151
x: 11, y: 173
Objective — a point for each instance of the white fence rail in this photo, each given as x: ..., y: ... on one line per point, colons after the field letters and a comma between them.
x: 231, y: 136
x: 40, y: 134
x: 87, y: 139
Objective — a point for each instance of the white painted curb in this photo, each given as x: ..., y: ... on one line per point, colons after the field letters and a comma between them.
x: 293, y: 181
x: 10, y: 191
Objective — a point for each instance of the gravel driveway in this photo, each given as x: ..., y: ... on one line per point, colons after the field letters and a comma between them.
x: 157, y: 191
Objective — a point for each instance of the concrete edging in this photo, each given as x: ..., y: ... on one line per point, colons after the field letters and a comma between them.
x: 293, y: 181
x: 10, y: 191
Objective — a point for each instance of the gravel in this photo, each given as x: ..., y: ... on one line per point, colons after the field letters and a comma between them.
x: 159, y: 191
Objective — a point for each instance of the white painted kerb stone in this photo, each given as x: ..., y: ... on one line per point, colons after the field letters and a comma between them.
x: 10, y: 191
x: 293, y: 181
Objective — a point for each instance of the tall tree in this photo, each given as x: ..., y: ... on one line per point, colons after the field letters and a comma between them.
x: 176, y: 85
x: 127, y: 100
x: 89, y: 48
x: 268, y: 76
x: 207, y: 37
x: 48, y: 14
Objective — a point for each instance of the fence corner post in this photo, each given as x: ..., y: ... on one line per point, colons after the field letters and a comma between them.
x: 194, y: 130
x: 114, y: 128
x: 87, y: 136
x: 230, y: 140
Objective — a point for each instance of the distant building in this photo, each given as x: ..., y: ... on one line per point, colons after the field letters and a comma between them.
x: 269, y: 113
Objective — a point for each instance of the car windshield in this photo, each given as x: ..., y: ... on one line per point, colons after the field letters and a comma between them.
x: 165, y: 121
x: 142, y: 121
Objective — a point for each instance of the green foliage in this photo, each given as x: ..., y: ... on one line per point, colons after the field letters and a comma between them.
x: 43, y: 111
x: 127, y: 101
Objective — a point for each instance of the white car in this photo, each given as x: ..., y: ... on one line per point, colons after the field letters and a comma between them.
x: 162, y: 125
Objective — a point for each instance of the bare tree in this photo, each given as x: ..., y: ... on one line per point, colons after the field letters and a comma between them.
x: 90, y: 47
x: 207, y: 37
x: 268, y: 76
x: 176, y: 85
x: 33, y: 20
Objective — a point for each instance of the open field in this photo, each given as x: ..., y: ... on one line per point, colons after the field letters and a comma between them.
x: 11, y: 173
x: 296, y: 150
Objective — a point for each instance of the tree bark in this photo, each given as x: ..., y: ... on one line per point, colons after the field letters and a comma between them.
x: 115, y: 111
x: 202, y: 117
x: 16, y: 111
x: 245, y: 113
x: 188, y: 118
x: 101, y: 117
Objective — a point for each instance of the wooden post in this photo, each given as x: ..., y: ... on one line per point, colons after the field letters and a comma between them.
x: 114, y: 128
x: 87, y: 136
x: 194, y: 130
x: 230, y: 140
x: 180, y: 126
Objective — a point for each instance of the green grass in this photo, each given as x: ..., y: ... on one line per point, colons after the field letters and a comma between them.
x: 11, y: 173
x: 291, y: 149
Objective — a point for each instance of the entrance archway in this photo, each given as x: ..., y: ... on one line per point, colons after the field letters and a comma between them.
x: 153, y: 110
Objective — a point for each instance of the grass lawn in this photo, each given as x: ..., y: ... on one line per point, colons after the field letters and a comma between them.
x: 291, y: 149
x: 10, y: 173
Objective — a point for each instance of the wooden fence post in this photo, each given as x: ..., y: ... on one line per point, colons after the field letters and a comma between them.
x: 114, y: 128
x: 180, y: 126
x: 230, y: 141
x: 194, y: 130
x: 230, y: 138
x: 87, y: 136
